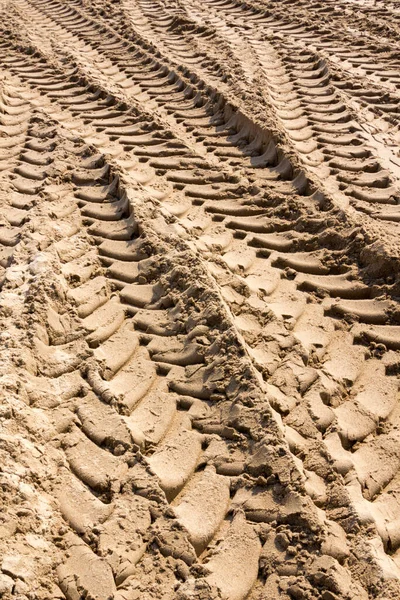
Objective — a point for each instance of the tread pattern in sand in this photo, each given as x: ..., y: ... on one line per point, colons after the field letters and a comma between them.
x: 199, y: 238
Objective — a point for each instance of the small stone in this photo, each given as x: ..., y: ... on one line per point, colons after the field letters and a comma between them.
x: 284, y: 584
x: 296, y: 591
x: 287, y: 568
x: 6, y: 584
x: 119, y: 450
x: 182, y: 570
x: 8, y: 529
x: 20, y: 587
x: 282, y: 540
x: 17, y: 566
x: 328, y: 595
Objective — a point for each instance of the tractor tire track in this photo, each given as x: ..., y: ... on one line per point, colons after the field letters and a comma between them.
x: 210, y: 342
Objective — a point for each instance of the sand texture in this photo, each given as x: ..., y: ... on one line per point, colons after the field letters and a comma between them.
x: 199, y: 300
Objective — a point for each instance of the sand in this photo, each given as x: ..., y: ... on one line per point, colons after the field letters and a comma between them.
x: 199, y: 318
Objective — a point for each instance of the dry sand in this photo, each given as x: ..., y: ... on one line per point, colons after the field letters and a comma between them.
x: 200, y: 328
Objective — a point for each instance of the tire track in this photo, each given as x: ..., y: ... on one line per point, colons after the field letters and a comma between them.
x: 314, y: 116
x: 298, y: 26
x: 28, y: 516
x: 262, y: 250
x: 338, y: 137
x: 94, y: 485
x: 187, y: 41
x: 363, y: 196
x: 99, y: 503
x: 193, y: 97
x: 373, y: 22
x: 351, y: 58
x: 16, y: 125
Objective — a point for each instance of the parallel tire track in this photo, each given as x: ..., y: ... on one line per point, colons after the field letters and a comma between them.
x: 210, y: 342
